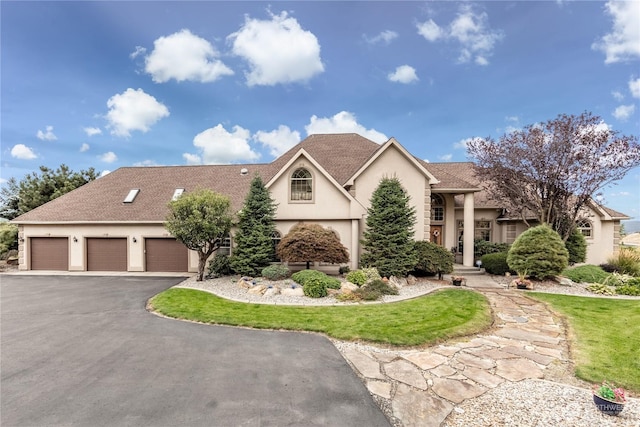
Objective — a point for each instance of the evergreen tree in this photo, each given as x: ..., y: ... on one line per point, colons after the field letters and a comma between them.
x: 539, y: 252
x: 253, y: 241
x: 388, y: 240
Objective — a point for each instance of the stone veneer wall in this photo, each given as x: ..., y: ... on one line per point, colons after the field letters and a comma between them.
x: 427, y: 211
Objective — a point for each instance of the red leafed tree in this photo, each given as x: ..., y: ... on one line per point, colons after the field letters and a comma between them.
x: 552, y: 170
x: 311, y: 242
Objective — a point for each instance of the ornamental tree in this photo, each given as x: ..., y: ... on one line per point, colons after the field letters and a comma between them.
x: 310, y: 243
x: 254, y: 245
x: 200, y: 220
x: 552, y: 170
x: 388, y: 239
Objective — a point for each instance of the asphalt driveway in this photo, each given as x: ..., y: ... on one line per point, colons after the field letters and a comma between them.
x: 84, y: 351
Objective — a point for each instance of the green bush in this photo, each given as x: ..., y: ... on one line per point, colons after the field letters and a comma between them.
x: 315, y: 289
x: 617, y: 279
x: 367, y: 294
x: 303, y: 276
x: 628, y: 290
x: 600, y: 289
x: 433, y: 259
x: 586, y: 274
x: 8, y: 238
x: 481, y: 247
x: 332, y: 283
x: 357, y: 277
x: 381, y: 286
x: 219, y: 266
x: 626, y: 261
x: 496, y: 263
x: 371, y: 273
x: 344, y: 269
x: 276, y: 272
x: 576, y: 245
x: 539, y: 252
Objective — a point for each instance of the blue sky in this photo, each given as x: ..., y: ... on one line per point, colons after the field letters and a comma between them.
x: 112, y: 84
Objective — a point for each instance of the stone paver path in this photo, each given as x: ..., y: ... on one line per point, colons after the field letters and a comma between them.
x: 423, y: 386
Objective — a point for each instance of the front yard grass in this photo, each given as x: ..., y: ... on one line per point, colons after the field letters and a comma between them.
x: 429, y: 319
x: 607, y: 337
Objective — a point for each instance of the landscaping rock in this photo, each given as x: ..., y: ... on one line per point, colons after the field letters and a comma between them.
x: 293, y: 292
x: 245, y: 282
x: 411, y: 280
x: 258, y: 290
x: 348, y: 287
x: 272, y: 291
x: 564, y: 281
x: 419, y: 408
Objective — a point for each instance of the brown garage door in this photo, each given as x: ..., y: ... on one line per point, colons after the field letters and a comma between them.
x: 166, y: 255
x: 49, y: 253
x: 107, y: 254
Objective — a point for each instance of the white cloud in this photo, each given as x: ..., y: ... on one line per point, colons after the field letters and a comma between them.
x: 92, y: 131
x: 3, y: 180
x: 470, y: 29
x: 108, y: 157
x: 623, y: 112
x: 277, y: 50
x: 634, y: 87
x: 403, y: 74
x: 385, y: 37
x: 278, y: 140
x: 514, y: 119
x: 463, y: 143
x: 105, y: 172
x: 446, y: 157
x: 623, y: 42
x: 617, y: 95
x: 192, y: 159
x: 84, y: 147
x: 343, y: 122
x: 430, y: 30
x: 184, y: 56
x: 133, y: 110
x: 48, y: 135
x: 139, y: 51
x: 21, y: 151
x: 146, y: 163
x: 218, y: 146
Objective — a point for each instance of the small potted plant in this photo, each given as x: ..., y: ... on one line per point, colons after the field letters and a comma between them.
x: 457, y: 280
x: 522, y: 282
x: 608, y: 398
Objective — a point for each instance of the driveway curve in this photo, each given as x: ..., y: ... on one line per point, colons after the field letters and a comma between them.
x: 79, y: 350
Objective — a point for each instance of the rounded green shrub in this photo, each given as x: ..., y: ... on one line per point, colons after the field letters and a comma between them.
x: 381, y: 286
x: 315, y: 289
x: 276, y: 272
x: 304, y: 276
x: 628, y: 290
x: 371, y: 273
x: 433, y: 259
x: 539, y: 252
x: 496, y: 263
x: 357, y: 277
x: 219, y: 266
x: 586, y: 274
x: 576, y: 245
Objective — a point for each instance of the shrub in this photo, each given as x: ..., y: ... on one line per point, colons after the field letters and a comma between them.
x: 576, y: 245
x: 496, y: 263
x: 371, y: 273
x: 357, y: 277
x: 315, y: 279
x: 344, y: 269
x: 381, y: 286
x: 219, y: 266
x: 333, y: 283
x: 617, y: 279
x: 433, y: 259
x: 608, y: 267
x: 304, y: 276
x: 538, y: 252
x: 481, y: 247
x: 312, y: 242
x: 628, y: 290
x: 315, y: 289
x: 276, y: 272
x: 626, y: 261
x: 367, y: 294
x: 600, y: 289
x: 586, y: 273
x: 8, y: 238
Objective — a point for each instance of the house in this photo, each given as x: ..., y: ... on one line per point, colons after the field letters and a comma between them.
x: 116, y: 222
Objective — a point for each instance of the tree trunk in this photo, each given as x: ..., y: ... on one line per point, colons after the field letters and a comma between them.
x: 202, y: 263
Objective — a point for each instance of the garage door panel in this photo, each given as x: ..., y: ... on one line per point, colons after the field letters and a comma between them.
x: 107, y: 254
x: 163, y: 254
x: 49, y: 253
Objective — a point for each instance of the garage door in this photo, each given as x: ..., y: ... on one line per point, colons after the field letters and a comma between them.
x: 49, y: 253
x: 107, y: 254
x: 166, y: 255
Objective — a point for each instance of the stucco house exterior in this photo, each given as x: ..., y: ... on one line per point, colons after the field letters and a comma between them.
x: 116, y: 222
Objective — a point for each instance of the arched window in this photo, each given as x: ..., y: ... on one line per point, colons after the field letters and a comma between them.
x: 275, y: 240
x: 437, y: 208
x: 301, y: 185
x: 585, y: 227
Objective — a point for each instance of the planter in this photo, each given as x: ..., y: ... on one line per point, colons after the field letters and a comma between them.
x: 522, y: 286
x: 606, y: 406
x: 457, y: 282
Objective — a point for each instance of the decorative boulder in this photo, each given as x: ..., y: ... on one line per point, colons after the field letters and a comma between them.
x: 564, y: 281
x: 293, y: 292
x: 274, y: 290
x: 411, y: 280
x: 245, y: 283
x: 258, y: 290
x: 348, y: 287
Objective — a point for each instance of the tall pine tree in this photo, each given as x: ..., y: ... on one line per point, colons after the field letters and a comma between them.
x: 388, y: 240
x: 254, y: 245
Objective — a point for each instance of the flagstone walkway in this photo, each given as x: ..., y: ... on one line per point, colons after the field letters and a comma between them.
x: 422, y: 387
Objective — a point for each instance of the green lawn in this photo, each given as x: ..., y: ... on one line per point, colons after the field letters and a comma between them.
x: 425, y: 320
x: 607, y: 337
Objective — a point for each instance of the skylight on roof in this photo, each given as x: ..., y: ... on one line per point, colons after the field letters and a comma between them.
x: 177, y: 193
x: 132, y: 195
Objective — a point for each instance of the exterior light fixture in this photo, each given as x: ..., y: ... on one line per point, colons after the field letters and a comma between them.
x: 75, y: 239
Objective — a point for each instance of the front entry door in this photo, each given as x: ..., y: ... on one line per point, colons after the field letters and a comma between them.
x: 436, y: 234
